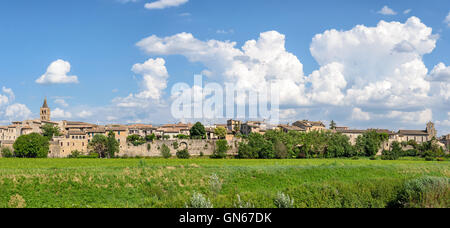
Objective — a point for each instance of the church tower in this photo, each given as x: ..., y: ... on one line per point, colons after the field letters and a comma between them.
x: 431, y: 130
x: 45, y: 111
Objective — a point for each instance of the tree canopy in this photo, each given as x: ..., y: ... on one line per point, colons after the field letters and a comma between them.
x: 198, y: 131
x: 49, y: 131
x: 32, y: 145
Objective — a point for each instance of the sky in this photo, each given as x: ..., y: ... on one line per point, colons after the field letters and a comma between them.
x: 363, y: 64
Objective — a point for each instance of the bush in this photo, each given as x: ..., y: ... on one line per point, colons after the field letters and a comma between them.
x: 175, y: 145
x: 7, y: 152
x: 149, y: 147
x: 283, y: 201
x: 215, y: 183
x: 33, y: 145
x: 424, y: 192
x: 75, y: 154
x: 199, y: 201
x: 165, y: 151
x: 242, y: 204
x: 221, y: 149
x: 429, y: 158
x: 183, y: 154
x: 136, y: 140
x: 91, y: 155
x: 150, y: 138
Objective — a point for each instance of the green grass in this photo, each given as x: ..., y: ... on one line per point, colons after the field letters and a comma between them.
x: 170, y: 183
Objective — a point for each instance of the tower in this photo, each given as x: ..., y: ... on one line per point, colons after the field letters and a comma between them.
x: 45, y: 111
x: 431, y: 130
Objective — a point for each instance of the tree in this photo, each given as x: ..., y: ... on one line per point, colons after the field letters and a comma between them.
x: 257, y: 147
x: 370, y: 143
x: 150, y: 138
x: 33, y: 145
x: 112, y: 145
x: 394, y: 153
x: 221, y: 149
x: 99, y: 145
x: 183, y: 154
x: 165, y: 151
x: 198, y: 131
x: 332, y: 125
x: 221, y: 132
x: 7, y: 152
x: 136, y: 140
x: 49, y: 131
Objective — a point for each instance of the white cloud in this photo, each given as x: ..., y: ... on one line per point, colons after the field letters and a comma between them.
x: 162, y: 4
x: 155, y: 77
x: 57, y: 74
x: 85, y: 114
x: 447, y: 19
x: 17, y: 112
x: 358, y: 114
x: 61, y: 114
x: 61, y: 102
x: 419, y: 117
x: 387, y: 11
x: 407, y: 11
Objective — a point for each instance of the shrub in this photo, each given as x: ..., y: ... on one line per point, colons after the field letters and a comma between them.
x: 91, y: 155
x: 165, y: 151
x: 424, y: 192
x: 7, y: 152
x: 199, y: 201
x: 243, y: 204
x: 183, y: 154
x: 149, y: 147
x: 175, y: 145
x: 215, y: 183
x: 429, y: 158
x: 75, y: 154
x: 31, y: 146
x: 136, y: 140
x: 150, y: 138
x: 221, y: 149
x: 283, y: 201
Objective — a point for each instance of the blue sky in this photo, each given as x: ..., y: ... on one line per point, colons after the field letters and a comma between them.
x: 98, y: 38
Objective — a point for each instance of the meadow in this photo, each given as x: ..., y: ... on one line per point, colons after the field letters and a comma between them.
x: 170, y: 183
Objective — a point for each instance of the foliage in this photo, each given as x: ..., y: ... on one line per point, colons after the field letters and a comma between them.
x: 166, y: 137
x: 150, y: 138
x: 165, y: 151
x: 199, y: 201
x: 221, y: 149
x: 181, y: 136
x: 105, y: 147
x: 136, y: 140
x: 215, y: 183
x: 424, y: 192
x: 7, y: 152
x: 198, y: 131
x: 75, y: 154
x: 49, y: 131
x: 283, y: 201
x: 256, y: 147
x: 394, y: 153
x: 149, y: 147
x: 370, y: 143
x: 332, y: 125
x: 242, y: 204
x: 175, y: 145
x: 183, y: 154
x: 31, y: 146
x: 221, y: 132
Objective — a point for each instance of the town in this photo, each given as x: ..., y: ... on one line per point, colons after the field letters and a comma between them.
x: 75, y: 136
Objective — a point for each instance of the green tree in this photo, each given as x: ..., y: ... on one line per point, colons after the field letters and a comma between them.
x: 112, y: 145
x: 183, y: 154
x: 332, y: 125
x: 136, y: 140
x: 49, y: 131
x: 7, y: 152
x: 221, y: 132
x: 165, y: 151
x: 150, y: 138
x: 99, y: 145
x: 256, y: 147
x: 221, y: 149
x: 370, y: 143
x: 31, y: 146
x: 198, y: 131
x: 394, y: 153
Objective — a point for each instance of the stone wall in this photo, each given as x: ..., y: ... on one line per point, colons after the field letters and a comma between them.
x: 195, y: 148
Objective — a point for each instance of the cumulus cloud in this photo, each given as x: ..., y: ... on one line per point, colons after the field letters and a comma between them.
x: 358, y: 114
x: 61, y: 114
x: 162, y: 4
x: 447, y: 19
x: 387, y: 11
x: 419, y: 117
x: 85, y: 114
x: 61, y: 102
x: 57, y: 74
x: 17, y: 112
x: 440, y: 73
x: 154, y: 75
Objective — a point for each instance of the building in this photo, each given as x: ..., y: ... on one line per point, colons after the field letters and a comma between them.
x: 287, y: 128
x: 234, y: 125
x: 310, y: 125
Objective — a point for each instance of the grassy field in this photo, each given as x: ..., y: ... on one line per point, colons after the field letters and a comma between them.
x: 171, y: 183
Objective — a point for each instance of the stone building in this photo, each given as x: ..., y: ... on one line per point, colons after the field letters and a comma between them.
x: 310, y: 125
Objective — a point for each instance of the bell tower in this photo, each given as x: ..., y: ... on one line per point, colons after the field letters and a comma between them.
x: 431, y: 130
x: 45, y: 111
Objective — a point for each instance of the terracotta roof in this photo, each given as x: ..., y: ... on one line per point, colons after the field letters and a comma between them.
x: 346, y: 131
x: 76, y: 133
x: 171, y: 130
x: 96, y: 130
x: 45, y: 103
